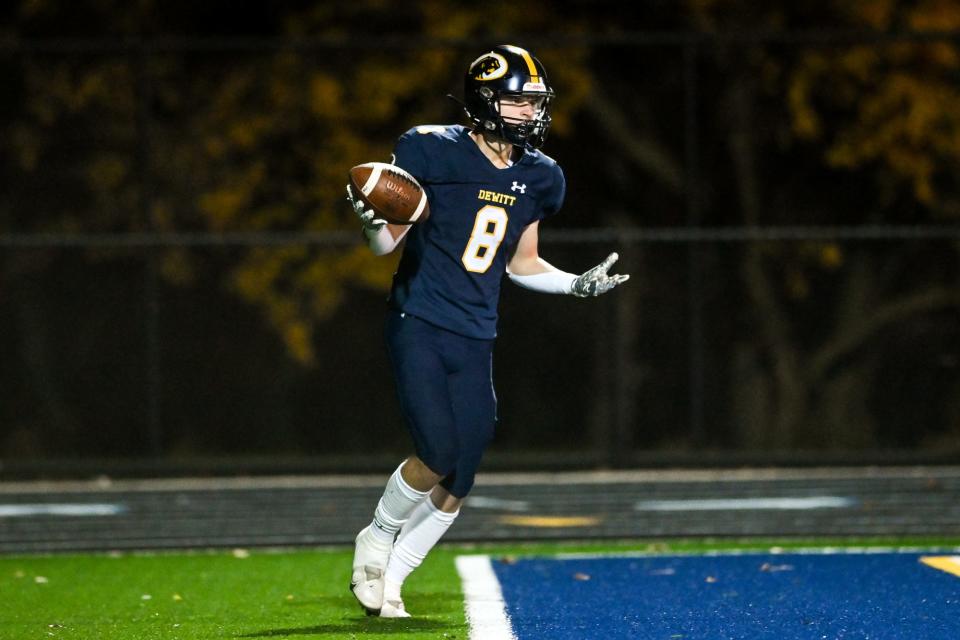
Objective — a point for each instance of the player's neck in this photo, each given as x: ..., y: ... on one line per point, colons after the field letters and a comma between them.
x: 500, y: 152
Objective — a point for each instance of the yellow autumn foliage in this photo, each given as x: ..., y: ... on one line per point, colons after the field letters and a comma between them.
x: 262, y: 140
x: 108, y: 171
x: 888, y: 106
x: 900, y: 97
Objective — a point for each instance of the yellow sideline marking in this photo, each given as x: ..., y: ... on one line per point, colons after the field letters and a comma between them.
x: 549, y: 521
x: 950, y: 564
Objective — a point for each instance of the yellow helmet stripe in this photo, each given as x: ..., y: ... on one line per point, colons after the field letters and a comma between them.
x: 531, y: 67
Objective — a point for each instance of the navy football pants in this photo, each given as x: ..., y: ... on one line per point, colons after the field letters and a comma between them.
x: 445, y: 384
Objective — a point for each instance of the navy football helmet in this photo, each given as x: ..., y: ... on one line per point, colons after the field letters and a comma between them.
x: 511, y: 72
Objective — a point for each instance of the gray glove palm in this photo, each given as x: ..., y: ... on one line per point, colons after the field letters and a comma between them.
x: 368, y: 218
x: 596, y: 281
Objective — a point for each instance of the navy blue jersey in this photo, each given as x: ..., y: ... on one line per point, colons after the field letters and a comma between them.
x: 454, y: 261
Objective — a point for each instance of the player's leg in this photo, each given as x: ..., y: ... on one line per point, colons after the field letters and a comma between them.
x: 418, y: 475
x: 475, y: 407
x: 420, y: 371
x: 474, y: 404
x: 420, y: 376
x: 373, y: 544
x: 426, y: 525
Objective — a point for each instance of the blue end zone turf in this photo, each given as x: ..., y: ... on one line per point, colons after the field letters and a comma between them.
x: 751, y: 596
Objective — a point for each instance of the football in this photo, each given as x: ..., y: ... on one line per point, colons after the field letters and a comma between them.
x: 391, y: 192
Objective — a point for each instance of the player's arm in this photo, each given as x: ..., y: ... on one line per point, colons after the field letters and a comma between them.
x: 382, y: 237
x: 527, y: 269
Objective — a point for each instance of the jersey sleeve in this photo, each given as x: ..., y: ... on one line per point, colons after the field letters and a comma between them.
x: 409, y: 153
x: 555, y: 195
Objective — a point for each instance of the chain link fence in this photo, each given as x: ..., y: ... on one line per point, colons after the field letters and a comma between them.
x: 780, y: 310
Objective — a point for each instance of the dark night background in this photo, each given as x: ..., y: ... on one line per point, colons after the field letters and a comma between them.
x: 182, y: 285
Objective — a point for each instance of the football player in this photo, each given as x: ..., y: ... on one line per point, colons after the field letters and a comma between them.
x: 489, y: 186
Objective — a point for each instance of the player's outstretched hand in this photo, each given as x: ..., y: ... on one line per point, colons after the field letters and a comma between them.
x: 368, y: 218
x: 596, y: 281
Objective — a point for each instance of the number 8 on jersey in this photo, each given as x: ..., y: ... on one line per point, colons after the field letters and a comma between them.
x: 489, y: 228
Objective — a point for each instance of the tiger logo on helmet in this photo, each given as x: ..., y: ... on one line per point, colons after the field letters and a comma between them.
x: 489, y: 66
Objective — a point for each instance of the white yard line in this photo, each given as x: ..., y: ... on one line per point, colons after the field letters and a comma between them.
x: 483, y: 502
x: 486, y: 610
x: 28, y: 510
x: 747, y: 504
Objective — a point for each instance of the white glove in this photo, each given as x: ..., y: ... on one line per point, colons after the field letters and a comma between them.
x: 368, y: 219
x: 596, y: 281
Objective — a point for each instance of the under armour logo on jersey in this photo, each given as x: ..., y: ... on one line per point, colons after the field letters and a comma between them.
x: 522, y: 188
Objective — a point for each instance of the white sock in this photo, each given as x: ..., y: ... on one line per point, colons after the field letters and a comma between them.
x: 398, y: 501
x: 423, y: 530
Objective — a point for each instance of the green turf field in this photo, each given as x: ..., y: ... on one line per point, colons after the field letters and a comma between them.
x: 267, y: 594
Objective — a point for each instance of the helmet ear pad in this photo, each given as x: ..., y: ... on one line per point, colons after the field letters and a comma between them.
x: 492, y: 121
